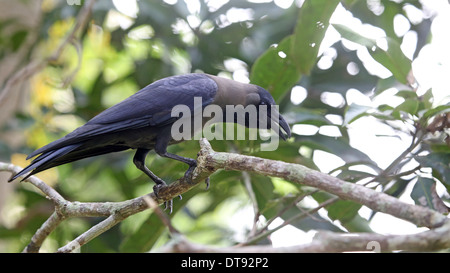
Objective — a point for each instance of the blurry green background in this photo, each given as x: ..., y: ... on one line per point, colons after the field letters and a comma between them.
x: 331, y: 83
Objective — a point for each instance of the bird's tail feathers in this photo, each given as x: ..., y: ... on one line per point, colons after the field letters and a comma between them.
x: 43, y: 161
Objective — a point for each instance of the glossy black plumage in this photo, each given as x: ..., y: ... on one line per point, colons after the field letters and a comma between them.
x: 143, y: 122
x: 132, y: 123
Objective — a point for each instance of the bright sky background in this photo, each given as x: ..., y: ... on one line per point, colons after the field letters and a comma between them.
x: 431, y: 69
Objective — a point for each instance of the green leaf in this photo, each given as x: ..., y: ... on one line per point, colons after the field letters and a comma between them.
x: 426, y: 99
x: 306, y: 116
x: 388, y: 83
x: 432, y: 112
x: 349, y: 3
x: 409, y: 106
x: 393, y: 59
x: 287, y: 152
x: 424, y: 194
x: 275, y: 71
x: 421, y: 193
x: 314, y: 222
x: 263, y: 188
x: 357, y: 224
x: 398, y: 188
x: 386, y: 18
x: 354, y: 36
x: 145, y: 237
x: 280, y: 67
x: 310, y: 222
x: 353, y: 176
x: 342, y: 210
x: 337, y: 146
x: 407, y: 94
x: 440, y: 163
x: 385, y: 107
x: 275, y: 205
x: 355, y: 111
x: 313, y: 21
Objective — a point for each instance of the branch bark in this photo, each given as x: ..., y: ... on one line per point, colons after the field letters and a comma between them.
x: 209, y: 162
x: 377, y: 201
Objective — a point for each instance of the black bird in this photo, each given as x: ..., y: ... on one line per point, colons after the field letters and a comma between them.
x: 143, y: 122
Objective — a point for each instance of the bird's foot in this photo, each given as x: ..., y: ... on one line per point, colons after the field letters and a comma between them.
x: 188, y: 175
x: 158, y: 186
x: 167, y: 204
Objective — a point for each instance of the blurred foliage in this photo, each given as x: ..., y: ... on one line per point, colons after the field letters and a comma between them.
x: 277, y: 48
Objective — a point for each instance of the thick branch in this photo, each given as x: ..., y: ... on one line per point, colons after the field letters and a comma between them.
x: 210, y: 161
x: 115, y: 211
x: 377, y: 201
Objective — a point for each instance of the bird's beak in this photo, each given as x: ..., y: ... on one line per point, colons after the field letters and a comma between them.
x: 284, y: 125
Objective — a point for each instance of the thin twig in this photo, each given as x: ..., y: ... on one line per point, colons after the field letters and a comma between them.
x: 248, y: 186
x: 294, y: 203
x: 289, y: 221
x: 41, y: 234
x: 416, y: 140
x: 162, y: 216
x: 93, y: 232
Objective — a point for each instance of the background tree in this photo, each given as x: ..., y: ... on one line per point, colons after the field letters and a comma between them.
x: 336, y: 68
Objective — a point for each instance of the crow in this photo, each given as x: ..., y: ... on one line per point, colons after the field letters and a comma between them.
x: 143, y: 122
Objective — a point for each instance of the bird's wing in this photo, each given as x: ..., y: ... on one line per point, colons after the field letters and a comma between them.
x: 151, y: 106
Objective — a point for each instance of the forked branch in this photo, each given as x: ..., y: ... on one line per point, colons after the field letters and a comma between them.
x: 209, y: 162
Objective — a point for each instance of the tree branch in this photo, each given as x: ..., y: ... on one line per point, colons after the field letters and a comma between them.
x: 326, y: 241
x: 377, y: 201
x: 210, y: 161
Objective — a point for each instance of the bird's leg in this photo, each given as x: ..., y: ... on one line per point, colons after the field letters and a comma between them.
x: 191, y: 162
x: 192, y: 165
x: 161, y: 149
x: 139, y: 161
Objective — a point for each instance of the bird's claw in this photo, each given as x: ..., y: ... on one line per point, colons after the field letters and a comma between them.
x: 188, y: 174
x: 158, y: 186
x: 207, y: 183
x: 188, y: 178
x: 167, y: 204
x: 156, y: 189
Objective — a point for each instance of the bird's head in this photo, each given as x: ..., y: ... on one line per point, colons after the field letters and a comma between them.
x: 268, y: 110
x: 235, y: 94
